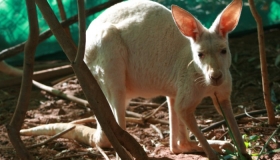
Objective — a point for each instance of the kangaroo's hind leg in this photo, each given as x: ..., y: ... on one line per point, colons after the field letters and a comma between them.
x: 105, y: 58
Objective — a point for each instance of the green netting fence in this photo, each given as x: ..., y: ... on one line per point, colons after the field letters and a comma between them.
x: 14, y: 22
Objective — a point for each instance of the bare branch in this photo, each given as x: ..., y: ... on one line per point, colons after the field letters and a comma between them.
x: 63, y: 15
x: 157, y: 130
x: 155, y: 111
x: 215, y: 125
x: 82, y: 32
x: 24, y: 97
x: 149, y: 120
x: 265, y: 81
x: 84, y: 120
x: 60, y: 94
x: 40, y: 75
x: 103, y: 153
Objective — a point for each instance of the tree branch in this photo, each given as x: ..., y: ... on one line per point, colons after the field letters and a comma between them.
x: 40, y: 75
x: 63, y: 15
x: 82, y: 32
x: 24, y: 97
x: 265, y: 81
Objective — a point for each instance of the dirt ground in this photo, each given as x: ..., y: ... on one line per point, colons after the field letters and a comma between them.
x: 247, y: 94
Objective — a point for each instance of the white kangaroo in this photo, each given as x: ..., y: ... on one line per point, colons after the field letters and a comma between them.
x: 140, y: 48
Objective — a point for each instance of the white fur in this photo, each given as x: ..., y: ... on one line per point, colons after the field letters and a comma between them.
x: 136, y: 49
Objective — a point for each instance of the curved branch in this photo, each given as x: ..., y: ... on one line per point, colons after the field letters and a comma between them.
x: 265, y: 81
x: 24, y: 97
x: 82, y: 32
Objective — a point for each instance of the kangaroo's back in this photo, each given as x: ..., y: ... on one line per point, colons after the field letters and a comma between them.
x: 151, y: 41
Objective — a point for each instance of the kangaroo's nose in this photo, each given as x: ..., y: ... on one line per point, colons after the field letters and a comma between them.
x: 216, y: 75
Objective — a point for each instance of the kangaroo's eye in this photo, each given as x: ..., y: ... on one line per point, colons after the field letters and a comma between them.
x: 223, y: 51
x: 200, y: 55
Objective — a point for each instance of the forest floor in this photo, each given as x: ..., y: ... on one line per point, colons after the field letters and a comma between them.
x: 247, y: 94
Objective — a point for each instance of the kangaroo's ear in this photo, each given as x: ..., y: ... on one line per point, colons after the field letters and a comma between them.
x: 187, y: 23
x: 228, y: 19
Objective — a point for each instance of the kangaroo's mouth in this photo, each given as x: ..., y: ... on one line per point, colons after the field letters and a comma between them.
x: 216, y: 81
x: 216, y: 77
x: 209, y: 80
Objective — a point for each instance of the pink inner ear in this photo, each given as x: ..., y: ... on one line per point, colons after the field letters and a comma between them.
x: 228, y: 23
x: 185, y: 22
x: 230, y: 17
x: 189, y: 30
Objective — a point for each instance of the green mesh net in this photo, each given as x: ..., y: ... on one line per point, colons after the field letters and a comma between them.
x: 15, y: 28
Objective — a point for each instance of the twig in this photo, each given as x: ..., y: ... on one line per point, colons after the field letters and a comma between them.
x: 133, y: 114
x: 267, y: 142
x: 222, y: 135
x: 24, y: 98
x: 157, y: 130
x: 49, y: 64
x: 245, y: 111
x: 265, y: 81
x: 143, y: 103
x: 215, y: 125
x: 62, y: 79
x: 102, y: 152
x: 60, y: 94
x: 84, y: 120
x: 52, y: 138
x: 135, y: 120
x: 150, y: 120
x: 154, y: 111
x: 53, y: 72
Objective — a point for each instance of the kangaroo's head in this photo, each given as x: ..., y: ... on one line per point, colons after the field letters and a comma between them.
x: 211, y: 54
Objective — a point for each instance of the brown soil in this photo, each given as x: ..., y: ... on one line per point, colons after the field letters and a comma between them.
x: 247, y: 93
